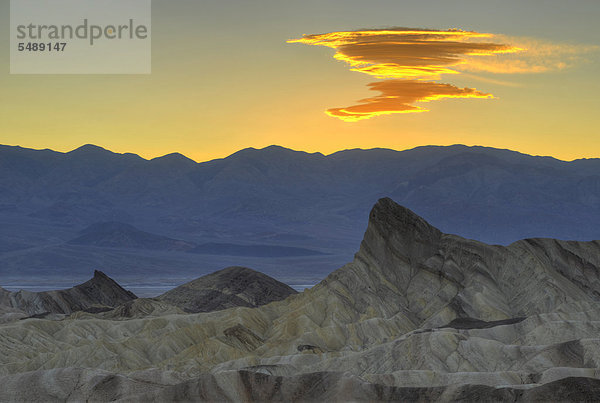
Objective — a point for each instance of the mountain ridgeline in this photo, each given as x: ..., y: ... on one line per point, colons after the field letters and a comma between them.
x: 291, y: 215
x: 496, y: 196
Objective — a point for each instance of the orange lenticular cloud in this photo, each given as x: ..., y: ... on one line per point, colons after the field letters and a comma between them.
x: 413, y: 59
x: 407, y: 53
x: 397, y: 96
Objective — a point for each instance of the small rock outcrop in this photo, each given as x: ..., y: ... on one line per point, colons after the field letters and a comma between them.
x: 94, y: 295
x: 227, y: 288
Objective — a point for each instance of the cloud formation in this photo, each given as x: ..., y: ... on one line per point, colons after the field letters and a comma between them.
x: 406, y: 52
x: 398, y: 96
x: 536, y: 57
x: 411, y: 60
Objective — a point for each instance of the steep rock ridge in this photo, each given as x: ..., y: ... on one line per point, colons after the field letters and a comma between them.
x: 100, y: 291
x: 433, y: 315
x: 227, y: 288
x: 407, y: 268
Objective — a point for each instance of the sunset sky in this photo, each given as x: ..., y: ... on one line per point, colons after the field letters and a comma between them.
x: 319, y: 75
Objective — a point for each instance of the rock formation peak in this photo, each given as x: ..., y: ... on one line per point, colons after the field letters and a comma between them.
x: 392, y: 226
x: 100, y: 275
x: 226, y: 288
x: 393, y: 217
x: 99, y: 291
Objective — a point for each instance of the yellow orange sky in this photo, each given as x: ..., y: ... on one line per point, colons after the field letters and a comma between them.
x: 224, y: 77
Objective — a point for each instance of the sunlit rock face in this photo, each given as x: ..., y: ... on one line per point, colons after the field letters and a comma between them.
x: 417, y: 314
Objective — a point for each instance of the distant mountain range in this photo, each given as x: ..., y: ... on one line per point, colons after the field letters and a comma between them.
x: 489, y: 194
x: 276, y: 197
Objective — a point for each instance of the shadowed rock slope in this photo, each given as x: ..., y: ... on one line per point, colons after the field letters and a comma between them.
x: 417, y: 315
x: 227, y: 288
x: 95, y: 294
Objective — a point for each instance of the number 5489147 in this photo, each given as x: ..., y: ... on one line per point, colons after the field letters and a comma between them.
x: 41, y: 47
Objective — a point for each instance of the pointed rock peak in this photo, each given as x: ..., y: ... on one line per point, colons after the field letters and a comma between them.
x: 100, y: 275
x: 392, y: 226
x: 388, y: 214
x: 105, y: 289
x: 100, y: 278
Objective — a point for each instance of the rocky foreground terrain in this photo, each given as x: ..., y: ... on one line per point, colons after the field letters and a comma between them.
x: 418, y: 315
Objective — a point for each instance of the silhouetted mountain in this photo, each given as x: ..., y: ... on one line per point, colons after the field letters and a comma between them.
x: 288, y: 199
x: 493, y: 195
x: 227, y: 288
x: 121, y: 235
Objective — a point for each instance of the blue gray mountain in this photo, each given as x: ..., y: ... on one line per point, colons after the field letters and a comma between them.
x: 278, y: 197
x: 493, y: 195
